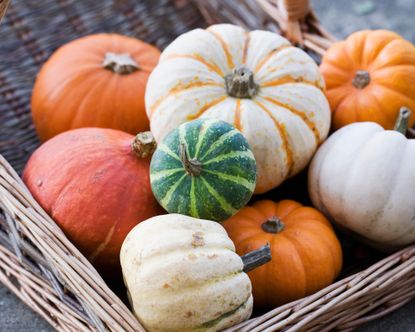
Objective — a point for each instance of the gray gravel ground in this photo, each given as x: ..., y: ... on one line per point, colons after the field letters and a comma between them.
x: 341, y: 17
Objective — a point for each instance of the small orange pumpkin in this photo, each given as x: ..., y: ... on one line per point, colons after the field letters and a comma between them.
x: 369, y: 77
x: 306, y: 254
x: 94, y: 81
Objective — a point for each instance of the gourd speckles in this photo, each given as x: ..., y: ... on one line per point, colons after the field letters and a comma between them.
x: 95, y: 184
x: 183, y: 275
x: 204, y: 169
x: 269, y: 90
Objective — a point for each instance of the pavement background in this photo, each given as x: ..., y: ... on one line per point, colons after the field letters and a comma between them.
x: 341, y: 17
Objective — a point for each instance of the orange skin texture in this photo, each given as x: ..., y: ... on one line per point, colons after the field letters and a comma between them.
x: 390, y: 61
x: 95, y: 188
x: 306, y: 254
x: 74, y: 90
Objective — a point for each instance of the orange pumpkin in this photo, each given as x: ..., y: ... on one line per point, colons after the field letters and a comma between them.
x: 95, y: 81
x: 306, y: 254
x: 369, y: 77
x: 96, y: 185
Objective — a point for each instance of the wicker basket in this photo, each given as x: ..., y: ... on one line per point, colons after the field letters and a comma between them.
x: 43, y: 268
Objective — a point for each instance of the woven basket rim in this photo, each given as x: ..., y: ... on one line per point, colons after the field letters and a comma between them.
x: 38, y: 262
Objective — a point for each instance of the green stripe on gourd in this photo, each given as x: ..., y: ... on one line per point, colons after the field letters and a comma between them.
x: 204, y: 169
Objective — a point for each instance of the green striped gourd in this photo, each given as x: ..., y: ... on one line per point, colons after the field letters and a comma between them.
x: 204, y: 169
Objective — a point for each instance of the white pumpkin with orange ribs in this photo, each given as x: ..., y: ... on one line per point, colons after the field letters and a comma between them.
x: 270, y: 90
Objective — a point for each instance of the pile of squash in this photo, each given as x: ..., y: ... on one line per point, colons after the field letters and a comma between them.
x: 232, y: 114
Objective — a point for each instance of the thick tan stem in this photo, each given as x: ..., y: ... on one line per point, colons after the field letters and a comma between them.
x: 241, y: 84
x: 144, y: 144
x: 296, y: 9
x: 401, y: 124
x: 122, y: 64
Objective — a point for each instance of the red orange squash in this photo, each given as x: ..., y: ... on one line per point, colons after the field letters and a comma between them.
x: 306, y: 254
x: 95, y: 81
x: 95, y: 184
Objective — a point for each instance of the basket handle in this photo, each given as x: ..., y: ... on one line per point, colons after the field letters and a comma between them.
x: 3, y: 7
x: 296, y: 9
x: 299, y: 24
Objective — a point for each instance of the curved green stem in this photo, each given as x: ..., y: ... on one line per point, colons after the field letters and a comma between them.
x: 192, y: 166
x: 401, y: 124
x: 256, y: 258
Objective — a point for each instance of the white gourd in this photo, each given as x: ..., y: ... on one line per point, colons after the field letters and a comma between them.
x: 363, y: 177
x: 257, y: 81
x: 183, y: 274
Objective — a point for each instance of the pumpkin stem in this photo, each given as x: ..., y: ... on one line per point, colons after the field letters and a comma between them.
x: 120, y: 63
x: 192, y: 166
x: 256, y: 258
x: 401, y: 124
x: 273, y: 225
x: 361, y: 79
x: 241, y: 84
x: 144, y: 144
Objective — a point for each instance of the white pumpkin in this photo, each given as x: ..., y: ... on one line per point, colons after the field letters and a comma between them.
x: 257, y: 81
x: 363, y: 177
x: 183, y: 274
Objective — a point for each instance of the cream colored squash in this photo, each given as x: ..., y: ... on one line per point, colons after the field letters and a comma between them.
x: 363, y: 177
x: 183, y: 274
x: 270, y: 90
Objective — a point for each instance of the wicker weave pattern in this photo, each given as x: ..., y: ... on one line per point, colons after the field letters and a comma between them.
x: 43, y: 268
x: 27, y: 42
x: 37, y: 262
x: 46, y: 271
x: 268, y: 14
x: 3, y: 7
x: 362, y: 297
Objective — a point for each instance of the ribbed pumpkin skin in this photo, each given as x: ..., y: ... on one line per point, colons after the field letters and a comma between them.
x: 283, y: 122
x: 390, y: 62
x: 74, y: 90
x: 228, y: 173
x: 306, y: 254
x: 373, y: 197
x: 91, y: 183
x: 183, y: 275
